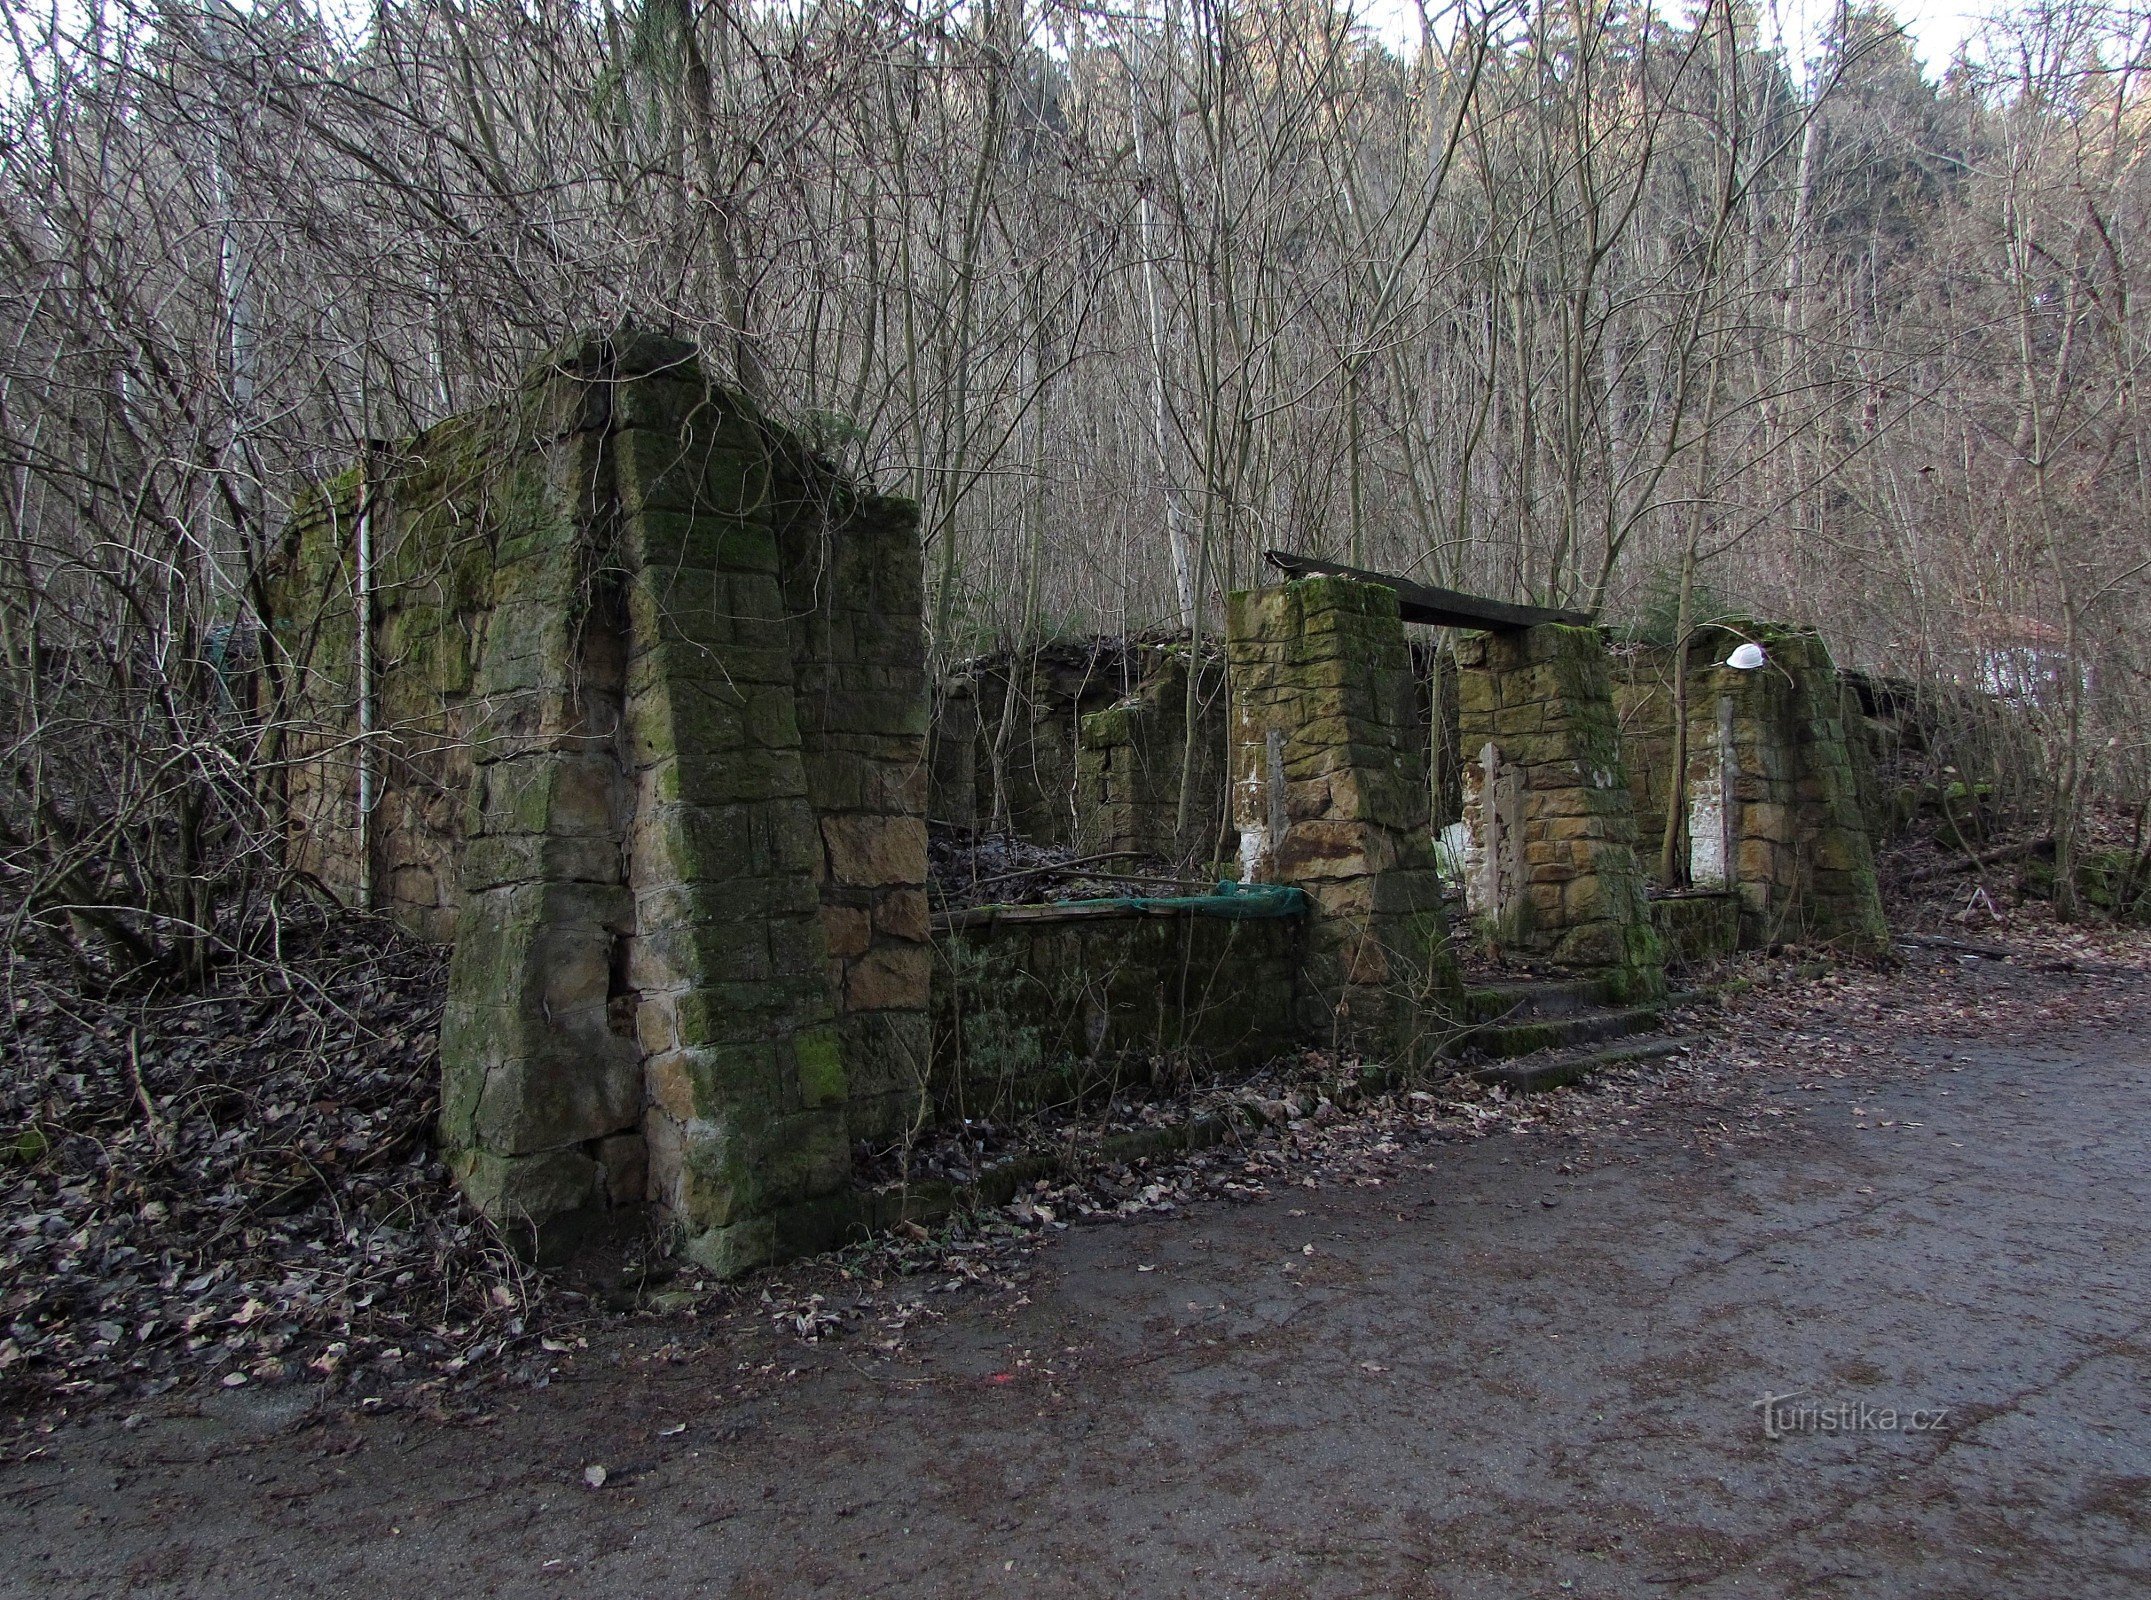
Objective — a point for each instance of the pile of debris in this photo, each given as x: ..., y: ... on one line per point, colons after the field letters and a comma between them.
x: 1936, y: 873
x: 237, y: 1184
x: 964, y: 870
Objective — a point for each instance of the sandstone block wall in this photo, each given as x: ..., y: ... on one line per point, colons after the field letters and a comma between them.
x: 1025, y: 714
x: 1550, y: 864
x: 1787, y: 808
x: 1131, y: 760
x: 854, y: 589
x: 1040, y: 1007
x: 1329, y: 793
x: 430, y: 603
x: 678, y: 798
x: 1774, y: 804
x: 1078, y: 743
x: 1642, y: 678
x: 1697, y: 927
x: 952, y: 755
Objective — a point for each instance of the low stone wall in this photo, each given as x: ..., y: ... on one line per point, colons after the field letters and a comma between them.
x: 1698, y: 927
x: 1038, y: 1006
x: 430, y: 588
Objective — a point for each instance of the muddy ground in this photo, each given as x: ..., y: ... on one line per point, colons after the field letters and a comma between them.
x: 1522, y: 1364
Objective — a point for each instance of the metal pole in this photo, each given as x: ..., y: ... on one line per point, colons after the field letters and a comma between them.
x: 363, y: 631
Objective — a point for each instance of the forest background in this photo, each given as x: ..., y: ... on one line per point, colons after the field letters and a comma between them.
x: 1640, y: 310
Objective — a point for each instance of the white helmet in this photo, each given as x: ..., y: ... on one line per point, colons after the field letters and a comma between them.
x: 1746, y: 658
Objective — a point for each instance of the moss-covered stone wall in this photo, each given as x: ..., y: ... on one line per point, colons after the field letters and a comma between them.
x: 1776, y: 805
x: 1550, y: 865
x: 1135, y: 757
x: 855, y: 592
x: 1329, y: 793
x: 430, y: 602
x: 1036, y: 1007
x: 1025, y: 713
x: 1081, y: 743
x: 1797, y: 846
x: 1642, y: 681
x: 651, y: 680
x: 1697, y: 927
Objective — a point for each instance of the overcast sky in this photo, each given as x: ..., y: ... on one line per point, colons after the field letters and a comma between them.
x: 1936, y: 26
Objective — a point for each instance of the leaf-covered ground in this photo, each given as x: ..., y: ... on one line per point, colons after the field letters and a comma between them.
x: 237, y: 1185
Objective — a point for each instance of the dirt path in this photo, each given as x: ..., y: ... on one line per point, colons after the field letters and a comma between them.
x: 1524, y: 1366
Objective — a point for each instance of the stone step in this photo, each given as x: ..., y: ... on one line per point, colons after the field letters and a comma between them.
x: 1509, y: 1039
x: 1508, y: 999
x: 1551, y: 1069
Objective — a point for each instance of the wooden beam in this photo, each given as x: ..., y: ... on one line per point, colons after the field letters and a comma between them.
x: 1440, y: 608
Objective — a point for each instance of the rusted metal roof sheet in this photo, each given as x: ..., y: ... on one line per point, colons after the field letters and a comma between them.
x: 1441, y: 608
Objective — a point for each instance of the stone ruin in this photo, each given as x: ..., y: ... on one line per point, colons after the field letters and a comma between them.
x: 1549, y: 836
x: 1085, y: 743
x: 1566, y: 785
x: 648, y: 724
x: 640, y: 723
x: 1330, y: 795
x: 1781, y: 808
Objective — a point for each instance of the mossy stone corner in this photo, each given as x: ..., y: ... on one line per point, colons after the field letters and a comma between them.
x: 632, y: 617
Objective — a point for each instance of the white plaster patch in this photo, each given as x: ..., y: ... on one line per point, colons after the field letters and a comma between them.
x: 1710, y: 782
x: 1706, y: 830
x: 1454, y: 850
x: 1471, y: 839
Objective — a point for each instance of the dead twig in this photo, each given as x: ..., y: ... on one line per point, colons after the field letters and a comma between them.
x: 1965, y: 947
x: 1985, y: 858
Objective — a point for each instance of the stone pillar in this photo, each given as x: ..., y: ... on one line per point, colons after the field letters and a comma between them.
x: 1550, y: 864
x: 855, y: 589
x: 686, y: 662
x: 1774, y: 808
x: 541, y: 1105
x: 743, y: 1062
x: 1329, y: 793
